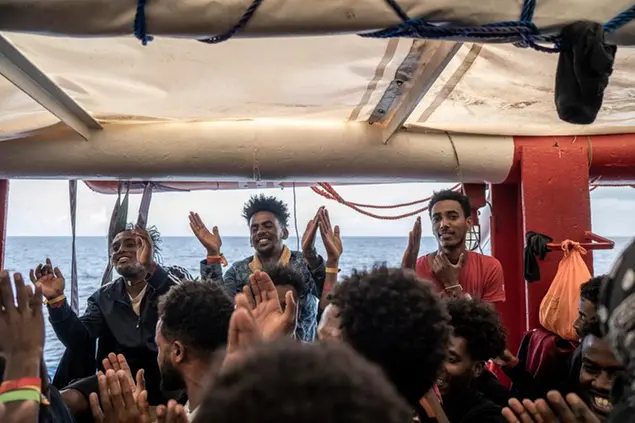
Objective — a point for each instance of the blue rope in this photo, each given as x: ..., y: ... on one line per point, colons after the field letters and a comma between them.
x: 244, y: 20
x: 523, y: 33
x: 140, y: 29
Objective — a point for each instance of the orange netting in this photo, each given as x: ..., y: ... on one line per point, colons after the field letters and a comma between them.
x: 328, y: 192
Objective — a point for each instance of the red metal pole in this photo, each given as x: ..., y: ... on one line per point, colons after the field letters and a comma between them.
x: 555, y: 202
x: 507, y: 239
x: 4, y: 206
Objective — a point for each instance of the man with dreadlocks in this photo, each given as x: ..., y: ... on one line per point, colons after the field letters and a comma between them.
x: 122, y: 314
x: 268, y: 220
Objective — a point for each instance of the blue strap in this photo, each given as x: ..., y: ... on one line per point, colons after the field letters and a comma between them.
x: 72, y: 193
x: 140, y: 28
x: 144, y: 207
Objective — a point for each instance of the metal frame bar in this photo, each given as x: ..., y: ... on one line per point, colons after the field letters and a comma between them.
x: 413, y: 79
x: 22, y: 73
x: 4, y: 211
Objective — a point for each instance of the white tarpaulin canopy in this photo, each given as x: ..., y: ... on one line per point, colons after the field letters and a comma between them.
x: 292, y: 96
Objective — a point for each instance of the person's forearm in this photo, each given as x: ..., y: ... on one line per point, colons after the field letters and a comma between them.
x: 332, y: 270
x: 19, y: 366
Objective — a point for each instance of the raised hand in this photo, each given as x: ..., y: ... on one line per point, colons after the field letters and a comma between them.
x: 243, y: 333
x: 266, y: 308
x: 172, y: 413
x: 330, y: 237
x: 446, y: 272
x: 308, y: 240
x: 119, y: 362
x: 145, y: 248
x: 50, y: 278
x: 409, y: 260
x: 556, y: 410
x: 21, y: 326
x: 210, y: 240
x: 118, y: 405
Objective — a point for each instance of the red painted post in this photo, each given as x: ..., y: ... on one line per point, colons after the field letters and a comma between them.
x: 4, y: 206
x: 507, y: 239
x: 556, y: 202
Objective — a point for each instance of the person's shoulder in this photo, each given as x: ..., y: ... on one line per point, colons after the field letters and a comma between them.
x: 486, y: 262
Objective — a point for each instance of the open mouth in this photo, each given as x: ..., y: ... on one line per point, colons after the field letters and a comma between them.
x: 601, y: 404
x: 262, y: 242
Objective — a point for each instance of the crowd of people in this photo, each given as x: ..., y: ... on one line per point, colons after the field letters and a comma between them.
x: 280, y: 336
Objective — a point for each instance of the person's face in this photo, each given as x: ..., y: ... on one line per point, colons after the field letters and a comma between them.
x: 267, y: 233
x: 599, y: 367
x: 586, y: 310
x: 329, y: 328
x: 449, y: 224
x: 458, y: 369
x: 124, y: 255
x: 169, y: 359
x: 282, y: 293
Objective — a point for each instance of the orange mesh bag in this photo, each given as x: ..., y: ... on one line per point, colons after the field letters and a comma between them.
x: 559, y: 307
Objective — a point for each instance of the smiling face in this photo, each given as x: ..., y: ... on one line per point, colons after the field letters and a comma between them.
x: 459, y: 369
x: 599, y: 367
x: 267, y: 233
x: 124, y: 255
x: 449, y: 224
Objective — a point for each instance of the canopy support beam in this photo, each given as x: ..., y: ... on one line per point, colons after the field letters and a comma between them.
x: 22, y: 73
x: 413, y: 79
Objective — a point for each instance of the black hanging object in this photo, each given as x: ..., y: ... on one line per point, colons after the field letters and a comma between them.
x: 535, y: 246
x: 584, y: 67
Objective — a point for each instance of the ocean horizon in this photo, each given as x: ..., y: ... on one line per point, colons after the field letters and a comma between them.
x: 26, y: 252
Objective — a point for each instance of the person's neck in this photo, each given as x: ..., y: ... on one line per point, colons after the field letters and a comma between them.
x: 196, y: 378
x: 274, y: 257
x: 453, y: 253
x: 134, y: 286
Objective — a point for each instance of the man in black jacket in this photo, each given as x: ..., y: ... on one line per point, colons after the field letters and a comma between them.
x: 122, y: 314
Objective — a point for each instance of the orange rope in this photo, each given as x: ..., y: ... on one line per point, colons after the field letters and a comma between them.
x: 329, y: 193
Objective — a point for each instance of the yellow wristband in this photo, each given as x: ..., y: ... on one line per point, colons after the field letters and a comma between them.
x: 55, y: 300
x: 20, y: 395
x: 332, y: 270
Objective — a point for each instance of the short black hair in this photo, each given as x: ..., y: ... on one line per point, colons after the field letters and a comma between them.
x: 478, y: 323
x: 197, y: 314
x: 448, y: 194
x: 262, y: 203
x: 396, y: 321
x: 285, y: 275
x: 590, y: 290
x: 287, y: 381
x: 592, y: 327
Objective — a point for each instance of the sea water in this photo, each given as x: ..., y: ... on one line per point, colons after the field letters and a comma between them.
x: 24, y: 253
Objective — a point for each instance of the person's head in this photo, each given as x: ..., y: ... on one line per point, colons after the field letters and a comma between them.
x: 285, y: 278
x: 287, y: 381
x: 268, y: 219
x: 396, y: 321
x: 123, y: 252
x: 193, y: 324
x: 587, y: 306
x: 477, y: 336
x: 599, y: 368
x: 451, y: 216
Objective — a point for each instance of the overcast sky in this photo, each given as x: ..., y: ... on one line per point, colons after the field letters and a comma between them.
x: 40, y: 208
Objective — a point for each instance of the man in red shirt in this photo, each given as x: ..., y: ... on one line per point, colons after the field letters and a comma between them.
x: 453, y: 270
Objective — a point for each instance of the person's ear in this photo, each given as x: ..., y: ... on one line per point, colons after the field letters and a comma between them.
x: 178, y: 352
x: 478, y: 368
x: 469, y: 222
x: 285, y: 233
